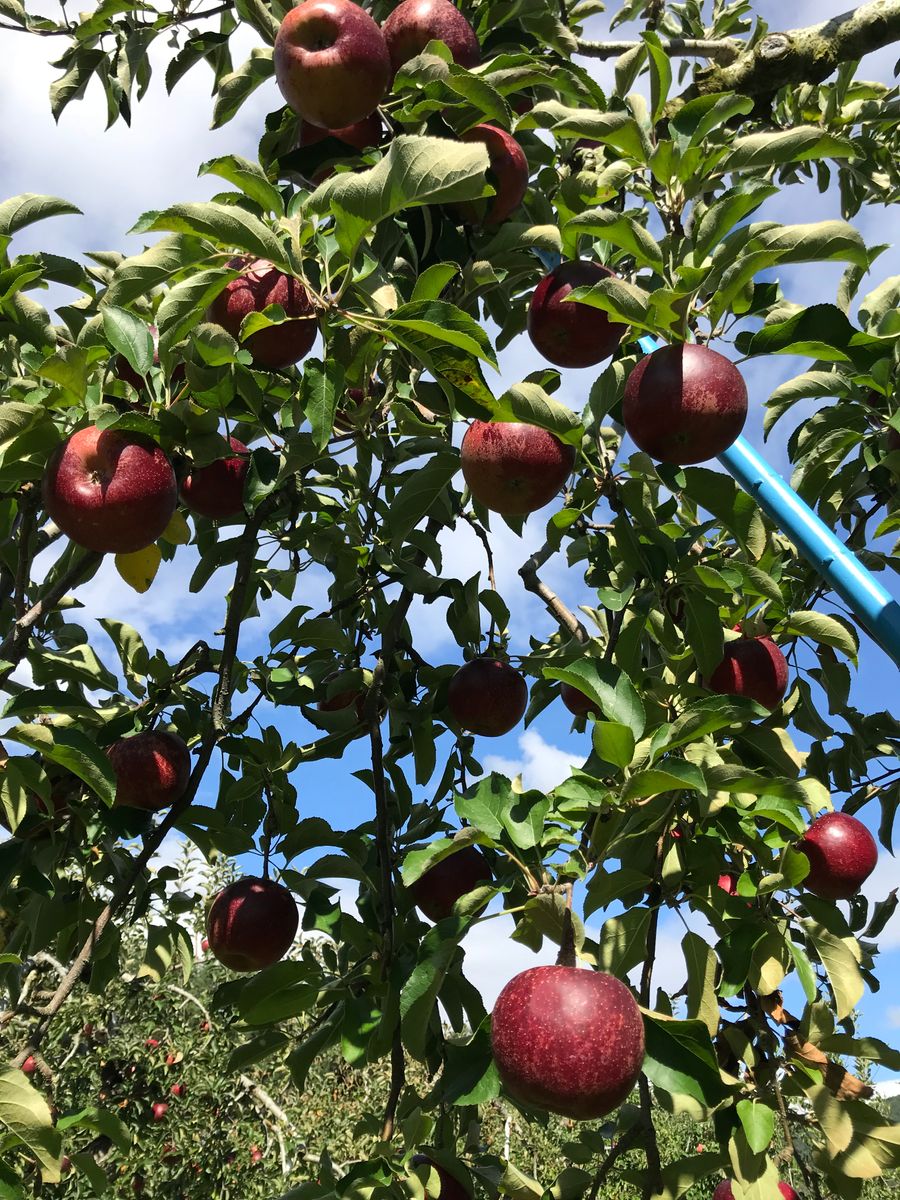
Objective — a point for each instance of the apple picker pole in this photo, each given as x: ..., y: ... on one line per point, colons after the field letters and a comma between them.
x: 876, y: 609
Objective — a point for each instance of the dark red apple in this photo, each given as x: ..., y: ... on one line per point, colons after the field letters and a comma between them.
x: 566, y: 1040
x: 152, y: 769
x: 331, y: 62
x: 217, y: 490
x: 684, y: 404
x: 487, y: 696
x: 570, y: 333
x: 842, y: 855
x: 29, y: 1066
x: 159, y: 1110
x: 435, y: 892
x: 252, y: 923
x: 507, y: 174
x: 451, y: 1188
x: 754, y: 668
x: 726, y: 1192
x: 513, y: 468
x: 109, y: 491
x: 576, y: 701
x: 415, y: 23
x: 360, y: 135
x: 259, y: 285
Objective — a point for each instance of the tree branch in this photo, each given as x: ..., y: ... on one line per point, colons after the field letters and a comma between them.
x: 722, y: 50
x: 528, y: 573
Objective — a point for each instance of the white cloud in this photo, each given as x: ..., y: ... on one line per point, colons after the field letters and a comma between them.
x: 541, y: 765
x: 882, y: 881
x: 893, y: 1017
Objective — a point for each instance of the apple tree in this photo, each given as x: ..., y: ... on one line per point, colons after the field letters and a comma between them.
x: 295, y: 380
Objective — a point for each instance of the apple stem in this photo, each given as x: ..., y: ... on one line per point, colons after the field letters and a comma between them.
x: 566, y: 956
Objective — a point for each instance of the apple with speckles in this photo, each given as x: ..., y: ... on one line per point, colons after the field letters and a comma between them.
x: 152, y: 769
x: 842, y: 855
x: 753, y: 668
x: 415, y: 23
x: 110, y: 491
x: 217, y: 490
x: 567, y: 1040
x: 487, y: 697
x: 252, y: 923
x: 513, y: 468
x: 684, y: 404
x: 260, y: 284
x: 569, y: 333
x: 437, y: 890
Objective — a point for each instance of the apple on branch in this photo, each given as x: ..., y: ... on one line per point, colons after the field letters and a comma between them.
x: 569, y: 333
x: 842, y: 855
x: 259, y: 285
x: 451, y: 1188
x: 513, y: 468
x: 437, y: 889
x: 507, y: 174
x: 487, y: 696
x: 252, y: 923
x: 415, y: 23
x: 217, y: 490
x: 152, y: 769
x: 752, y: 667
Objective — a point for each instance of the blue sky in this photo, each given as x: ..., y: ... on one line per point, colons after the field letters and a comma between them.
x: 114, y: 176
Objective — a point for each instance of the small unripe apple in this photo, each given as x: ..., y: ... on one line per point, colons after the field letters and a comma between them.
x: 754, y: 668
x: 259, y: 285
x: 29, y: 1066
x: 726, y: 1192
x: 331, y: 62
x: 487, y: 696
x: 507, y: 174
x: 684, y: 404
x: 252, y: 923
x: 217, y: 490
x: 451, y: 1188
x: 570, y: 333
x: 435, y: 892
x: 415, y: 23
x: 109, y: 491
x: 152, y: 769
x: 842, y: 855
x: 576, y: 701
x: 513, y: 468
x: 159, y: 1110
x: 566, y: 1040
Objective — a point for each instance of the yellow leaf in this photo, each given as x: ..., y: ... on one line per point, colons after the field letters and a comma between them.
x: 177, y: 532
x: 139, y: 568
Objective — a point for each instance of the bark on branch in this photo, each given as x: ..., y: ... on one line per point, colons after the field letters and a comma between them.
x: 528, y: 573
x: 722, y: 50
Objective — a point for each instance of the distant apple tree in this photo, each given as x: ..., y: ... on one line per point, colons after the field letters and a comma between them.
x: 280, y: 383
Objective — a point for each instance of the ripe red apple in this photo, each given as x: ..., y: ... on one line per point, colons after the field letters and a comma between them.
x: 204, y: 945
x: 252, y: 923
x: 451, y: 1188
x: 331, y: 62
x: 159, y: 1110
x: 29, y: 1066
x: 152, y: 769
x: 487, y: 696
x: 576, y: 701
x: 567, y: 1040
x: 842, y: 855
x: 109, y: 491
x: 217, y: 490
x: 570, y: 333
x: 684, y: 404
x: 360, y: 135
x: 177, y: 1089
x: 259, y: 285
x: 514, y: 468
x: 754, y: 668
x: 256, y: 1154
x: 507, y: 174
x: 728, y: 884
x: 171, y: 1059
x: 415, y: 23
x: 435, y: 892
x: 726, y: 1192
x: 151, y: 1043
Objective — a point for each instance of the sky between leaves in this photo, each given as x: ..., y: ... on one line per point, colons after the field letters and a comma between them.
x: 115, y: 175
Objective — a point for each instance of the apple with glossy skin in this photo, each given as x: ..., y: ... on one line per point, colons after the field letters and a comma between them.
x: 567, y: 1040
x: 252, y: 923
x: 570, y: 333
x: 110, y: 491
x: 152, y: 769
x: 842, y: 855
x: 29, y: 1066
x: 507, y: 174
x: 259, y: 285
x: 487, y: 696
x: 513, y: 468
x: 754, y: 668
x: 217, y: 490
x: 728, y: 884
x: 576, y: 701
x: 415, y: 23
x: 725, y: 1191
x: 437, y: 890
x: 684, y: 404
x: 159, y: 1110
x: 331, y: 62
x: 451, y: 1188
x: 177, y: 1089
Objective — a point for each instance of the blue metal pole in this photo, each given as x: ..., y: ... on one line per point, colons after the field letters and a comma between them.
x: 873, y: 605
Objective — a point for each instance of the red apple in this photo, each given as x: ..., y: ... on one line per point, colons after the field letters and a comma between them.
x: 151, y: 1043
x: 204, y: 945
x: 171, y: 1059
x: 331, y: 62
x: 728, y: 884
x: 684, y: 404
x: 842, y: 855
x: 360, y: 135
x: 29, y: 1066
x: 513, y: 468
x: 415, y: 23
x: 435, y: 892
x: 256, y: 1154
x: 566, y: 1040
x: 726, y: 1192
x: 576, y: 701
x: 451, y: 1188
x: 754, y: 668
x: 570, y: 333
x: 159, y: 1110
x: 152, y: 769
x: 252, y: 923
x: 507, y: 174
x: 487, y: 696
x: 261, y: 284
x: 177, y: 1089
x: 109, y: 491
x: 217, y: 490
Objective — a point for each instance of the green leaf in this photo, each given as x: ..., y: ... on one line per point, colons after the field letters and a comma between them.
x: 225, y: 224
x: 758, y: 1121
x: 610, y: 689
x: 72, y: 750
x: 614, y: 743
x: 443, y: 322
x: 840, y: 957
x: 726, y: 212
x: 131, y: 650
x: 321, y: 390
x: 493, y: 808
x: 25, y: 1114
x: 28, y: 208
x: 419, y: 492
x: 235, y: 87
x: 660, y: 73
x: 799, y: 144
x: 702, y: 964
x: 287, y: 989
x: 249, y: 177
x: 703, y: 628
x: 623, y: 941
x: 620, y: 230
x: 616, y: 129
x: 137, y: 276
x: 680, y: 1058
x: 433, y: 280
x: 821, y: 331
x: 130, y: 336
x: 529, y: 402
x: 672, y: 774
x: 438, y: 949
x: 184, y: 305
x: 829, y: 631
